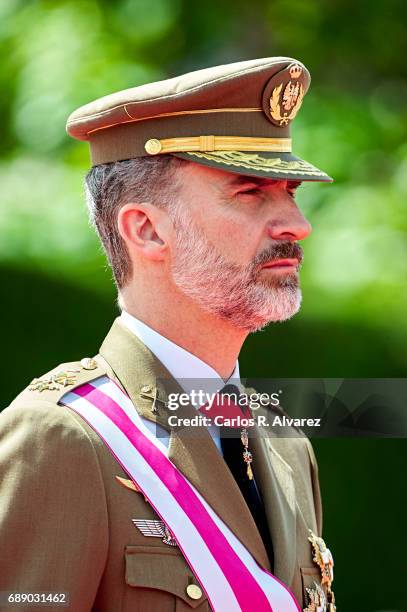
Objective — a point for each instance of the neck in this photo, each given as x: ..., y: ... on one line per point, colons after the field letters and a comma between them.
x: 179, y: 319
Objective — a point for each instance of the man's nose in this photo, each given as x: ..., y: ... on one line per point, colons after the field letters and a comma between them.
x: 290, y: 225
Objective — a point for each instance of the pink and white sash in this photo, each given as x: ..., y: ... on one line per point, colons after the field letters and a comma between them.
x: 226, y: 570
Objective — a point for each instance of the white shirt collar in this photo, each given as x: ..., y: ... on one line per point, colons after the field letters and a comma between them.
x: 189, y: 371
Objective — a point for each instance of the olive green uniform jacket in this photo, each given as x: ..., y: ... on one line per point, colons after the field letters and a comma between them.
x: 66, y: 521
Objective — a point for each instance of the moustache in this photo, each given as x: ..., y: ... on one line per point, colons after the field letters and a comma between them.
x: 280, y: 250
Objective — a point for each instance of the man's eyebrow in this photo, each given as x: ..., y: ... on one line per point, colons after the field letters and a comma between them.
x: 244, y: 179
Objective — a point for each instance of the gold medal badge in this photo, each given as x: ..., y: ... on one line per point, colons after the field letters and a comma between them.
x: 323, y: 558
x: 317, y: 599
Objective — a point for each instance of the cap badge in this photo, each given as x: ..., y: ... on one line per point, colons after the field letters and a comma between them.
x: 285, y: 103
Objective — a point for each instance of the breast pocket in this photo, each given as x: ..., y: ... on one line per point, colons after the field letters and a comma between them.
x: 159, y: 579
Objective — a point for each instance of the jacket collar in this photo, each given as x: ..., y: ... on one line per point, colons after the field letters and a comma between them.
x: 181, y: 364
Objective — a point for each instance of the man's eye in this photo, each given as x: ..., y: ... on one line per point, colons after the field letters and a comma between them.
x: 254, y: 191
x: 292, y: 188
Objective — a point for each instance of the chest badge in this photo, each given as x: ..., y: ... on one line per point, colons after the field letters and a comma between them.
x: 155, y: 529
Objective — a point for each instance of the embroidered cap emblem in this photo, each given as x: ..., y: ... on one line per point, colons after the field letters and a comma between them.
x: 155, y: 529
x: 285, y: 103
x: 284, y: 93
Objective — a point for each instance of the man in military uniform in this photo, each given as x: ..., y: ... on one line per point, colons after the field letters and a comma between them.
x: 192, y: 194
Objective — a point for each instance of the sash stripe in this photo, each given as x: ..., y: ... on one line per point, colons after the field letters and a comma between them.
x: 227, y: 572
x: 112, y: 389
x: 159, y: 498
x: 247, y: 592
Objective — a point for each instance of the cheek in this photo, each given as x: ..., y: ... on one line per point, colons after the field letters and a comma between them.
x: 235, y: 231
x: 238, y: 242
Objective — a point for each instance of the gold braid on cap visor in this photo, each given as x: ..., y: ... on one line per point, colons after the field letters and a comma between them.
x: 154, y: 146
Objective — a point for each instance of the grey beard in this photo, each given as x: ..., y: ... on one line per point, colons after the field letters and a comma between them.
x: 229, y: 291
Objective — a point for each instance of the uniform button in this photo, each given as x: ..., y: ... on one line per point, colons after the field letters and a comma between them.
x: 88, y: 363
x: 146, y: 388
x: 193, y: 591
x: 153, y: 146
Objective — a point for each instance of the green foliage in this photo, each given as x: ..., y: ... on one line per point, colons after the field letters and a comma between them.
x: 57, y: 55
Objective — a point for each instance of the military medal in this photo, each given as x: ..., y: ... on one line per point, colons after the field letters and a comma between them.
x: 247, y: 456
x: 317, y: 599
x: 323, y: 558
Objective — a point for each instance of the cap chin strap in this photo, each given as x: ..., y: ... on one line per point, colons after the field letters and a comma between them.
x: 154, y: 146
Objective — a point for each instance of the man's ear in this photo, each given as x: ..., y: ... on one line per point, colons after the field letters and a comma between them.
x: 145, y: 229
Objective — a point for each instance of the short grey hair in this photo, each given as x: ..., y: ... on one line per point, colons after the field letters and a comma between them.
x: 108, y: 187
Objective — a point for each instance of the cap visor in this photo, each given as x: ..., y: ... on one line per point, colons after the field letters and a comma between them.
x: 279, y: 166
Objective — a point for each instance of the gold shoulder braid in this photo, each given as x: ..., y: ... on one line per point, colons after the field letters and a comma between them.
x: 54, y: 382
x: 62, y: 378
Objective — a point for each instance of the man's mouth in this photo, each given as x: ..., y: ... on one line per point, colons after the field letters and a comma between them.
x: 282, y: 264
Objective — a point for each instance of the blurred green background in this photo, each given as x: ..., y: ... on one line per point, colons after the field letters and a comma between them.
x: 58, y: 299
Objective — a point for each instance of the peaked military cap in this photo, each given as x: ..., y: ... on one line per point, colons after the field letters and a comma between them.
x: 235, y: 117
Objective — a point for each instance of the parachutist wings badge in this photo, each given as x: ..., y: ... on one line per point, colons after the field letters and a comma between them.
x: 155, y: 529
